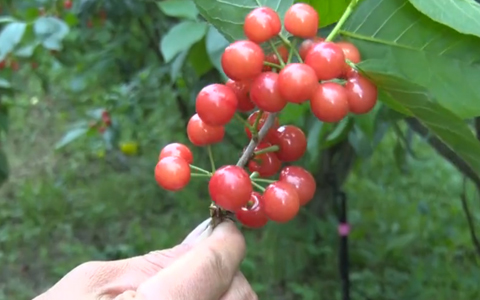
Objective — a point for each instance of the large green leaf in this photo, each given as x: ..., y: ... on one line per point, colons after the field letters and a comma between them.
x: 329, y: 11
x: 461, y: 15
x: 181, y: 37
x: 419, y: 101
x: 228, y: 15
x: 179, y: 9
x: 51, y: 31
x: 423, y: 51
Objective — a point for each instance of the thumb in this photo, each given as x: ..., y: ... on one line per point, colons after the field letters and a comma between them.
x: 205, y: 272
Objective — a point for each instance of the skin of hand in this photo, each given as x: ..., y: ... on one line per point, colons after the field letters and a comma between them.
x: 203, y: 267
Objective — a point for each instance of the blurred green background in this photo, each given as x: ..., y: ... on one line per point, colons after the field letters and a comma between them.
x: 94, y: 200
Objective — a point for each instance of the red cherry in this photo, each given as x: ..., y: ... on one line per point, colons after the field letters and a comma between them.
x: 15, y: 66
x: 265, y: 94
x: 172, y: 173
x: 273, y: 58
x: 350, y: 51
x: 201, y: 134
x: 230, y: 188
x: 327, y: 60
x: 251, y: 120
x: 216, y: 104
x: 178, y: 150
x: 242, y: 60
x: 252, y: 214
x: 361, y: 94
x: 306, y: 45
x: 3, y: 64
x: 292, y: 143
x: 297, y: 82
x: 280, y: 202
x: 266, y: 164
x: 241, y: 90
x: 302, y: 180
x: 301, y: 20
x: 67, y: 4
x: 329, y: 103
x: 262, y: 24
x: 102, y: 129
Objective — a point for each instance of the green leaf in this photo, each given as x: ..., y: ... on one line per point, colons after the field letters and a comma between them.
x: 294, y: 113
x: 71, y: 136
x: 51, y: 31
x: 198, y: 58
x: 215, y: 44
x: 10, y: 36
x: 4, y: 168
x: 420, y: 50
x: 177, y: 65
x: 329, y: 11
x: 451, y: 129
x: 181, y: 37
x: 7, y: 19
x: 5, y: 84
x: 3, y: 118
x: 228, y: 15
x: 461, y: 15
x: 179, y: 9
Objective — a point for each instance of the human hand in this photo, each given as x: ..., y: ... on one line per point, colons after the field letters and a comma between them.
x: 203, y: 267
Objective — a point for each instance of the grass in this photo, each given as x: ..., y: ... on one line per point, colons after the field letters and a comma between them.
x: 410, y: 239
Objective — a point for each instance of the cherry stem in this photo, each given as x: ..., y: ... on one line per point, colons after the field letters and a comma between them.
x: 247, y: 154
x: 243, y: 121
x: 210, y: 156
x: 198, y: 169
x: 201, y: 175
x: 258, y: 186
x: 333, y: 34
x: 255, y: 124
x: 280, y: 59
x: 267, y: 63
x: 263, y: 180
x: 267, y: 150
x: 254, y: 175
x: 292, y: 48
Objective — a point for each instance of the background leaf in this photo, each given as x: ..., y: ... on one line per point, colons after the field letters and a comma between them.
x: 181, y: 37
x: 461, y: 15
x: 179, y: 9
x: 329, y: 11
x: 447, y: 126
x: 215, y: 44
x: 421, y: 50
x: 71, y: 136
x: 228, y: 15
x: 10, y: 36
x: 4, y: 168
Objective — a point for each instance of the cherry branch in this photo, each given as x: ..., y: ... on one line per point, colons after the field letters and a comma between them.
x: 247, y: 154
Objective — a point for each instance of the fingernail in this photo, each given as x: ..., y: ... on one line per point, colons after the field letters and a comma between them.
x: 197, y: 232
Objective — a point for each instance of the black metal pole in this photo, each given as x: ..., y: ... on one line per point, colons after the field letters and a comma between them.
x: 344, y: 230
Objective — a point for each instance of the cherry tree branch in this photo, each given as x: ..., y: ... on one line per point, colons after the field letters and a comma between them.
x: 247, y: 154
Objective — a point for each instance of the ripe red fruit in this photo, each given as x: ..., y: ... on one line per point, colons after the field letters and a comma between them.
x: 262, y: 24
x: 201, y: 134
x: 281, y: 202
x: 177, y: 150
x: 297, y: 82
x: 242, y: 60
x: 302, y: 180
x: 67, y: 4
x: 327, y: 60
x: 14, y: 65
x: 241, y: 90
x: 264, y: 92
x: 306, y: 45
x: 102, y: 129
x: 251, y: 120
x: 216, y: 104
x: 230, y: 187
x: 350, y: 51
x: 252, y: 215
x: 329, y: 102
x: 266, y: 164
x: 292, y: 143
x: 273, y: 58
x: 172, y: 173
x: 301, y: 20
x: 361, y: 94
x: 3, y: 63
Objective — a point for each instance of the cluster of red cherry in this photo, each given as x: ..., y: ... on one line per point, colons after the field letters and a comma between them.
x: 265, y: 83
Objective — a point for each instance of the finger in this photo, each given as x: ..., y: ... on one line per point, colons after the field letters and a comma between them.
x: 205, y: 272
x: 193, y: 236
x: 240, y: 289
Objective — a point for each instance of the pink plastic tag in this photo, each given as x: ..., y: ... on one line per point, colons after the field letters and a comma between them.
x: 343, y: 229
